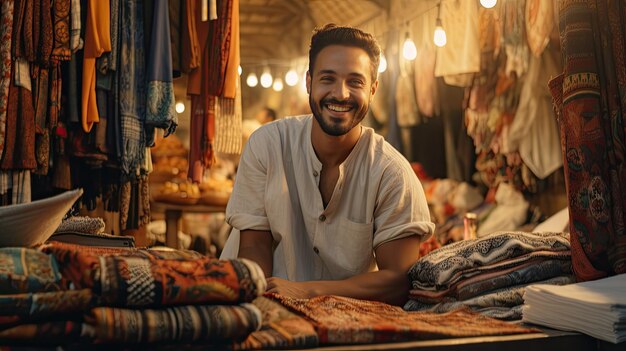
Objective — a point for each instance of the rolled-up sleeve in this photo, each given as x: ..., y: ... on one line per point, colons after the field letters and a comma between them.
x: 402, y: 209
x: 246, y: 207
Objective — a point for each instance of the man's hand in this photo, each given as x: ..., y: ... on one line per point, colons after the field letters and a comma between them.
x: 299, y: 290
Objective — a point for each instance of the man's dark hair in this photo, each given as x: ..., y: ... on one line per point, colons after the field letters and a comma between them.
x: 271, y: 113
x: 331, y: 34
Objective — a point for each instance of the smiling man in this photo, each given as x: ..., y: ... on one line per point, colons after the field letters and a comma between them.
x: 323, y: 204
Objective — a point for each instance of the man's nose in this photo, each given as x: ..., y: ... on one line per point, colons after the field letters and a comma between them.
x: 341, y: 91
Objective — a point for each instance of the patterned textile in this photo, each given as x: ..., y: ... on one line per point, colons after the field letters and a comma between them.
x: 61, y: 18
x: 280, y: 329
x: 228, y: 124
x: 45, y: 333
x: 539, y: 20
x: 435, y: 270
x: 6, y: 26
x: 141, y: 277
x: 470, y: 285
x: 490, y: 304
x: 160, y: 112
x: 342, y: 320
x: 25, y: 308
x: 217, y: 50
x: 82, y: 224
x: 184, y: 323
x: 132, y: 87
x: 25, y: 270
x: 589, y: 104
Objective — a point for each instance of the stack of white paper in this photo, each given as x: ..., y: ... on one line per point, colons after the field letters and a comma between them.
x: 596, y: 308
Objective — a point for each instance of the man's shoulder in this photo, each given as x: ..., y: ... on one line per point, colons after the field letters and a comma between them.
x: 383, y: 150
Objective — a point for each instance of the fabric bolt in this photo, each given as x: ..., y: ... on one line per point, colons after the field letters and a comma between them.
x: 529, y: 271
x: 25, y: 270
x: 342, y: 320
x: 174, y: 324
x: 45, y: 333
x: 496, y: 301
x: 6, y: 26
x: 149, y: 278
x: 589, y: 105
x: 61, y: 21
x: 30, y: 307
x: 437, y: 268
x: 160, y: 112
x: 97, y: 41
x: 132, y: 87
x: 314, y: 241
x: 280, y: 329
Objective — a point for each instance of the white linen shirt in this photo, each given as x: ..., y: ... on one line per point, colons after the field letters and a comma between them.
x: 377, y: 199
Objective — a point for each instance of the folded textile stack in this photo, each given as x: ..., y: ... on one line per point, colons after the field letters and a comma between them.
x: 489, y: 274
x: 64, y: 293
x: 597, y: 308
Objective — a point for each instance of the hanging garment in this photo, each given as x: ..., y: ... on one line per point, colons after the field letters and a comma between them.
x: 406, y: 106
x: 43, y: 40
x: 539, y: 18
x: 61, y: 21
x: 229, y: 124
x: 514, y: 37
x: 231, y: 73
x: 426, y: 92
x: 462, y: 52
x: 191, y: 40
x: 175, y: 16
x: 97, y: 41
x: 160, y: 112
x: 589, y: 104
x: 76, y: 42
x: 6, y: 31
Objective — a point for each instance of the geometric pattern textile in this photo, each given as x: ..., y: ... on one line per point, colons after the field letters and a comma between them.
x: 24, y: 270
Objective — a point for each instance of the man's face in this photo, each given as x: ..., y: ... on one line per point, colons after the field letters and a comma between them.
x: 340, y: 88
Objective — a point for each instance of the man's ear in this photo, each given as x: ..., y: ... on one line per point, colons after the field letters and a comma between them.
x: 374, y: 87
x: 308, y: 82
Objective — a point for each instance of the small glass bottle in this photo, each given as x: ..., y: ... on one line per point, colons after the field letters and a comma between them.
x: 470, y: 226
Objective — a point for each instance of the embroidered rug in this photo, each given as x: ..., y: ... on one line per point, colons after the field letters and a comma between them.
x: 342, y: 320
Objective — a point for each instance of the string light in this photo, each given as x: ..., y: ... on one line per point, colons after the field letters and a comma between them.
x: 291, y: 78
x: 488, y: 3
x: 180, y: 107
x: 266, y: 79
x: 278, y: 84
x: 252, y: 80
x: 382, y: 66
x: 409, y: 51
x: 439, y: 37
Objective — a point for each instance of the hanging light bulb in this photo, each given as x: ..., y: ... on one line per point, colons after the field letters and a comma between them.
x: 291, y: 78
x: 382, y: 66
x: 266, y: 79
x: 439, y: 37
x: 278, y: 84
x: 180, y: 107
x: 252, y: 80
x: 488, y: 3
x: 239, y: 70
x: 409, y: 51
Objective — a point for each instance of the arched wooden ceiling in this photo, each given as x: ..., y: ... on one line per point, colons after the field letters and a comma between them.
x: 281, y: 29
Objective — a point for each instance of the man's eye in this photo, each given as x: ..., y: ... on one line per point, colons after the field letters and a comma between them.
x: 357, y: 82
x: 326, y: 79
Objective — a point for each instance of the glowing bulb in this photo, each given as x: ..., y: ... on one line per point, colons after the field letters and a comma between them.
x: 252, y: 80
x: 266, y: 79
x: 240, y: 70
x: 488, y: 3
x: 439, y: 37
x: 278, y: 84
x: 409, y: 51
x: 180, y: 107
x: 382, y: 66
x: 291, y: 78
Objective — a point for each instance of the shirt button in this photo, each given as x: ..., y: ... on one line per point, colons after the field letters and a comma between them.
x: 317, y: 251
x: 322, y: 218
x: 315, y: 174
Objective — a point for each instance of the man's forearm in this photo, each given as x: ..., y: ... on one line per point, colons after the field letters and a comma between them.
x: 384, y: 285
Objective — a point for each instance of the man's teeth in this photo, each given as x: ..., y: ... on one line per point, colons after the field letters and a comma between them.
x: 338, y: 108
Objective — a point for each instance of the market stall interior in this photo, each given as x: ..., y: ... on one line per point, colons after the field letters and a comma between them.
x: 122, y: 128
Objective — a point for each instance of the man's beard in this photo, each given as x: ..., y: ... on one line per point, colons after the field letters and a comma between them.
x: 335, y: 129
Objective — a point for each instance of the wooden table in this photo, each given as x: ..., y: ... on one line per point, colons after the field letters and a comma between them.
x: 547, y: 340
x: 173, y: 214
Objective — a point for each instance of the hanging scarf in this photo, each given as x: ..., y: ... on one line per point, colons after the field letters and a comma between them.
x: 43, y: 40
x: 160, y: 112
x: 190, y: 43
x: 132, y: 87
x: 6, y: 26
x: 218, y: 50
x: 61, y: 17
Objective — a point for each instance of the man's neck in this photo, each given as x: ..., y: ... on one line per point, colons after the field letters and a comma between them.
x: 333, y: 150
